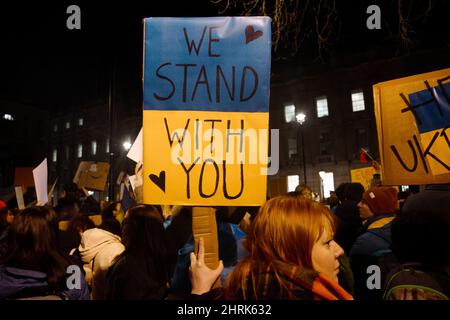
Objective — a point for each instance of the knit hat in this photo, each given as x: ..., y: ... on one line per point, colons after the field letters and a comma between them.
x: 381, y: 200
x: 2, y: 204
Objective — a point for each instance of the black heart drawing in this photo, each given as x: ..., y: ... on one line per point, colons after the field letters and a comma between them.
x: 160, y: 180
x: 251, y: 34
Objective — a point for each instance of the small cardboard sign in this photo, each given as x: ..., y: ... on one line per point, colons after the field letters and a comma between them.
x: 19, y: 197
x: 92, y: 175
x: 363, y: 176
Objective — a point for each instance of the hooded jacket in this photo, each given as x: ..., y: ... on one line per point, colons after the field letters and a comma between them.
x: 374, y: 243
x: 98, y: 250
x: 18, y: 283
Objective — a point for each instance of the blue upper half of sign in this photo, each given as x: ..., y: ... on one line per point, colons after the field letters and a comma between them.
x: 208, y: 64
x: 432, y: 108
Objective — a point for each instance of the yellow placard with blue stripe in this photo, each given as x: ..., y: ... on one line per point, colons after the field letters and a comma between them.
x: 413, y: 122
x: 206, y: 110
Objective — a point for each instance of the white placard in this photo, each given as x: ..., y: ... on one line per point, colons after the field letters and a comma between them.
x: 135, y: 152
x: 40, y: 176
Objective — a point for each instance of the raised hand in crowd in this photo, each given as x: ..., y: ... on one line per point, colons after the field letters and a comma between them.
x: 202, y: 277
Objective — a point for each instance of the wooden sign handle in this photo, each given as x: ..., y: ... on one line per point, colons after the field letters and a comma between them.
x: 204, y: 225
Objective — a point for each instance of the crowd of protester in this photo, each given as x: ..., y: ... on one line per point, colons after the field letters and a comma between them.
x: 358, y: 244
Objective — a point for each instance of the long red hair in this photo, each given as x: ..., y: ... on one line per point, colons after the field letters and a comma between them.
x: 285, y: 230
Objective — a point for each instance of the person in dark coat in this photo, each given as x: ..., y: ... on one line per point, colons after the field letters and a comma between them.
x: 420, y: 235
x: 377, y: 208
x: 6, y: 218
x: 349, y: 222
x: 34, y: 264
x: 141, y: 272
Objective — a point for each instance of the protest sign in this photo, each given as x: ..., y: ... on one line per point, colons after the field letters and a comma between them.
x: 92, y: 175
x: 135, y: 152
x: 413, y: 118
x: 40, y: 176
x: 206, y: 103
x: 363, y: 176
x: 23, y: 176
x: 19, y: 198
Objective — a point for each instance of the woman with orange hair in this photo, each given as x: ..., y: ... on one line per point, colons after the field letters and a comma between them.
x: 292, y: 255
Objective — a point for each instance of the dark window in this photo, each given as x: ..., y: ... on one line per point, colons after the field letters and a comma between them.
x: 324, y: 144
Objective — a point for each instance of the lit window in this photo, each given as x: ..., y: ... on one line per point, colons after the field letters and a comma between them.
x: 8, y: 117
x: 322, y: 107
x: 80, y: 150
x: 292, y: 182
x: 289, y: 113
x: 80, y: 122
x: 94, y: 148
x: 107, y: 145
x: 54, y: 155
x: 358, y: 101
x: 327, y: 182
x: 68, y: 125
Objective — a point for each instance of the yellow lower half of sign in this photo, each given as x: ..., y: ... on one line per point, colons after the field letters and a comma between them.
x: 205, y: 158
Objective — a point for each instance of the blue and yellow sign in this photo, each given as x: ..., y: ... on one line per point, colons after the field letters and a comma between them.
x: 413, y: 121
x: 206, y: 110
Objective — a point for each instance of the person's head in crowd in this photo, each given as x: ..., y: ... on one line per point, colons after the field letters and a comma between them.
x: 332, y: 200
x: 143, y: 237
x: 354, y: 191
x: 402, y: 196
x: 291, y: 231
x: 71, y: 190
x: 376, y: 180
x: 111, y: 225
x: 378, y: 201
x: 303, y: 190
x: 6, y: 216
x: 80, y: 224
x: 67, y: 208
x: 111, y: 210
x: 422, y: 234
x: 33, y: 245
x: 340, y: 191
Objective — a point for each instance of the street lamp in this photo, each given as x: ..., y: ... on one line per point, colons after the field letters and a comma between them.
x: 301, y: 118
x: 127, y: 145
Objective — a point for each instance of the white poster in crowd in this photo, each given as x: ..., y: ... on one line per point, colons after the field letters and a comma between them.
x: 135, y: 152
x: 40, y: 176
x: 135, y: 182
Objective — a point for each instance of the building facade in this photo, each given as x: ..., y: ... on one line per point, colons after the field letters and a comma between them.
x: 339, y: 118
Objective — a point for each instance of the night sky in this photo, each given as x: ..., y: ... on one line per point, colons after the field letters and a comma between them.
x: 45, y: 64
